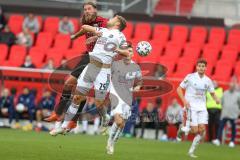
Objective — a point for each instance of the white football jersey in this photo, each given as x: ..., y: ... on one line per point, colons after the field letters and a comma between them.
x: 102, y: 50
x: 196, y: 89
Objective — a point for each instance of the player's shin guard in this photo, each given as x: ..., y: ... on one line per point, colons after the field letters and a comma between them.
x: 63, y: 104
x: 195, y: 142
x: 118, y: 134
x: 71, y: 112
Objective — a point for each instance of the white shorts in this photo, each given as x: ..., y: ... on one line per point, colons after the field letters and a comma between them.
x: 198, y: 117
x: 118, y: 106
x: 92, y: 76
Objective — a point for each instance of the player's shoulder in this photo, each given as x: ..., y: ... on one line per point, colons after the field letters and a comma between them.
x: 101, y: 19
x: 208, y: 79
x: 191, y: 75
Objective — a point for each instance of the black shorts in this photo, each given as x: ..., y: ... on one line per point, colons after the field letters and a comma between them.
x: 80, y: 66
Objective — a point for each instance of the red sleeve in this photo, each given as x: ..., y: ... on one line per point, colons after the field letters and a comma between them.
x: 102, y: 22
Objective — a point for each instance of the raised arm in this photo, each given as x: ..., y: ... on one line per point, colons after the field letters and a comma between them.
x: 84, y: 29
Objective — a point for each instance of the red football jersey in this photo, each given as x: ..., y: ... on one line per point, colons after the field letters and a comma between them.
x: 99, y: 22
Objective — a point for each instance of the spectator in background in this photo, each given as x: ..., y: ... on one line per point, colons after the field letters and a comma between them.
x: 45, y: 107
x: 3, y: 20
x: 174, y: 112
x: 214, y: 112
x: 7, y: 37
x: 26, y: 104
x: 7, y: 105
x: 160, y: 72
x: 149, y: 119
x: 91, y: 114
x: 230, y: 112
x: 64, y: 65
x: 49, y: 65
x: 24, y: 38
x: 28, y: 63
x: 31, y: 23
x: 66, y: 26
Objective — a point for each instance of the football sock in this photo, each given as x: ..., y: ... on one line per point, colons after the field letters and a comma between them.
x: 63, y: 103
x: 71, y: 112
x: 195, y: 142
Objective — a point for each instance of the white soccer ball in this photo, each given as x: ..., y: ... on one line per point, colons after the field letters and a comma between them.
x: 143, y: 48
x: 20, y: 107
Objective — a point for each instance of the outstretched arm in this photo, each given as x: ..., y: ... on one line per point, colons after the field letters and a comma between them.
x: 84, y: 29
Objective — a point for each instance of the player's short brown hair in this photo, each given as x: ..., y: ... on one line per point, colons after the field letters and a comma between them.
x: 123, y: 22
x: 91, y: 4
x: 202, y: 60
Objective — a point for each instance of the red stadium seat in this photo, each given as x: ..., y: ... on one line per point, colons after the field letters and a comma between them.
x: 169, y: 63
x: 142, y: 31
x: 15, y: 23
x: 183, y: 71
x: 211, y: 53
x: 17, y: 55
x: 179, y: 34
x: 80, y: 44
x: 44, y: 40
x: 223, y: 70
x: 230, y: 53
x: 217, y: 36
x: 128, y: 31
x: 69, y: 54
x: 62, y: 41
x: 198, y: 35
x: 3, y: 52
x: 192, y: 50
x: 237, y: 69
x: 56, y: 54
x: 37, y: 54
x: 173, y: 49
x: 51, y: 25
x: 234, y: 37
x: 76, y: 23
x: 161, y: 33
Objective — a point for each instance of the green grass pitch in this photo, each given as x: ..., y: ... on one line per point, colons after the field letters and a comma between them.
x: 19, y: 145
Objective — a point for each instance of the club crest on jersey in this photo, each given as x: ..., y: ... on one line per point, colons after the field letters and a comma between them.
x: 110, y: 36
x: 130, y: 75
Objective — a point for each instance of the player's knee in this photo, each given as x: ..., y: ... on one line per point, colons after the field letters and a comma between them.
x: 99, y: 103
x: 119, y: 121
x: 77, y: 99
x: 70, y: 83
x: 201, y: 129
x: 194, y: 130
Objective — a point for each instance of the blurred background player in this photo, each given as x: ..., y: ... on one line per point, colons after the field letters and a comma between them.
x: 125, y: 74
x: 230, y: 112
x: 97, y: 73
x: 196, y: 85
x: 214, y: 112
x: 89, y: 17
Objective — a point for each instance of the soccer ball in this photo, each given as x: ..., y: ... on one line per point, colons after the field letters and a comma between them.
x: 143, y: 48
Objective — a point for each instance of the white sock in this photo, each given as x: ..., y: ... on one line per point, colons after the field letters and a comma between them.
x: 57, y: 124
x: 195, y: 142
x: 96, y: 124
x: 118, y: 134
x: 85, y: 125
x: 113, y: 131
x: 71, y: 112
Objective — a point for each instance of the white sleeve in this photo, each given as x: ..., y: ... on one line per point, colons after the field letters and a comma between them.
x: 185, y: 82
x: 121, y: 39
x: 210, y: 86
x: 101, y: 29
